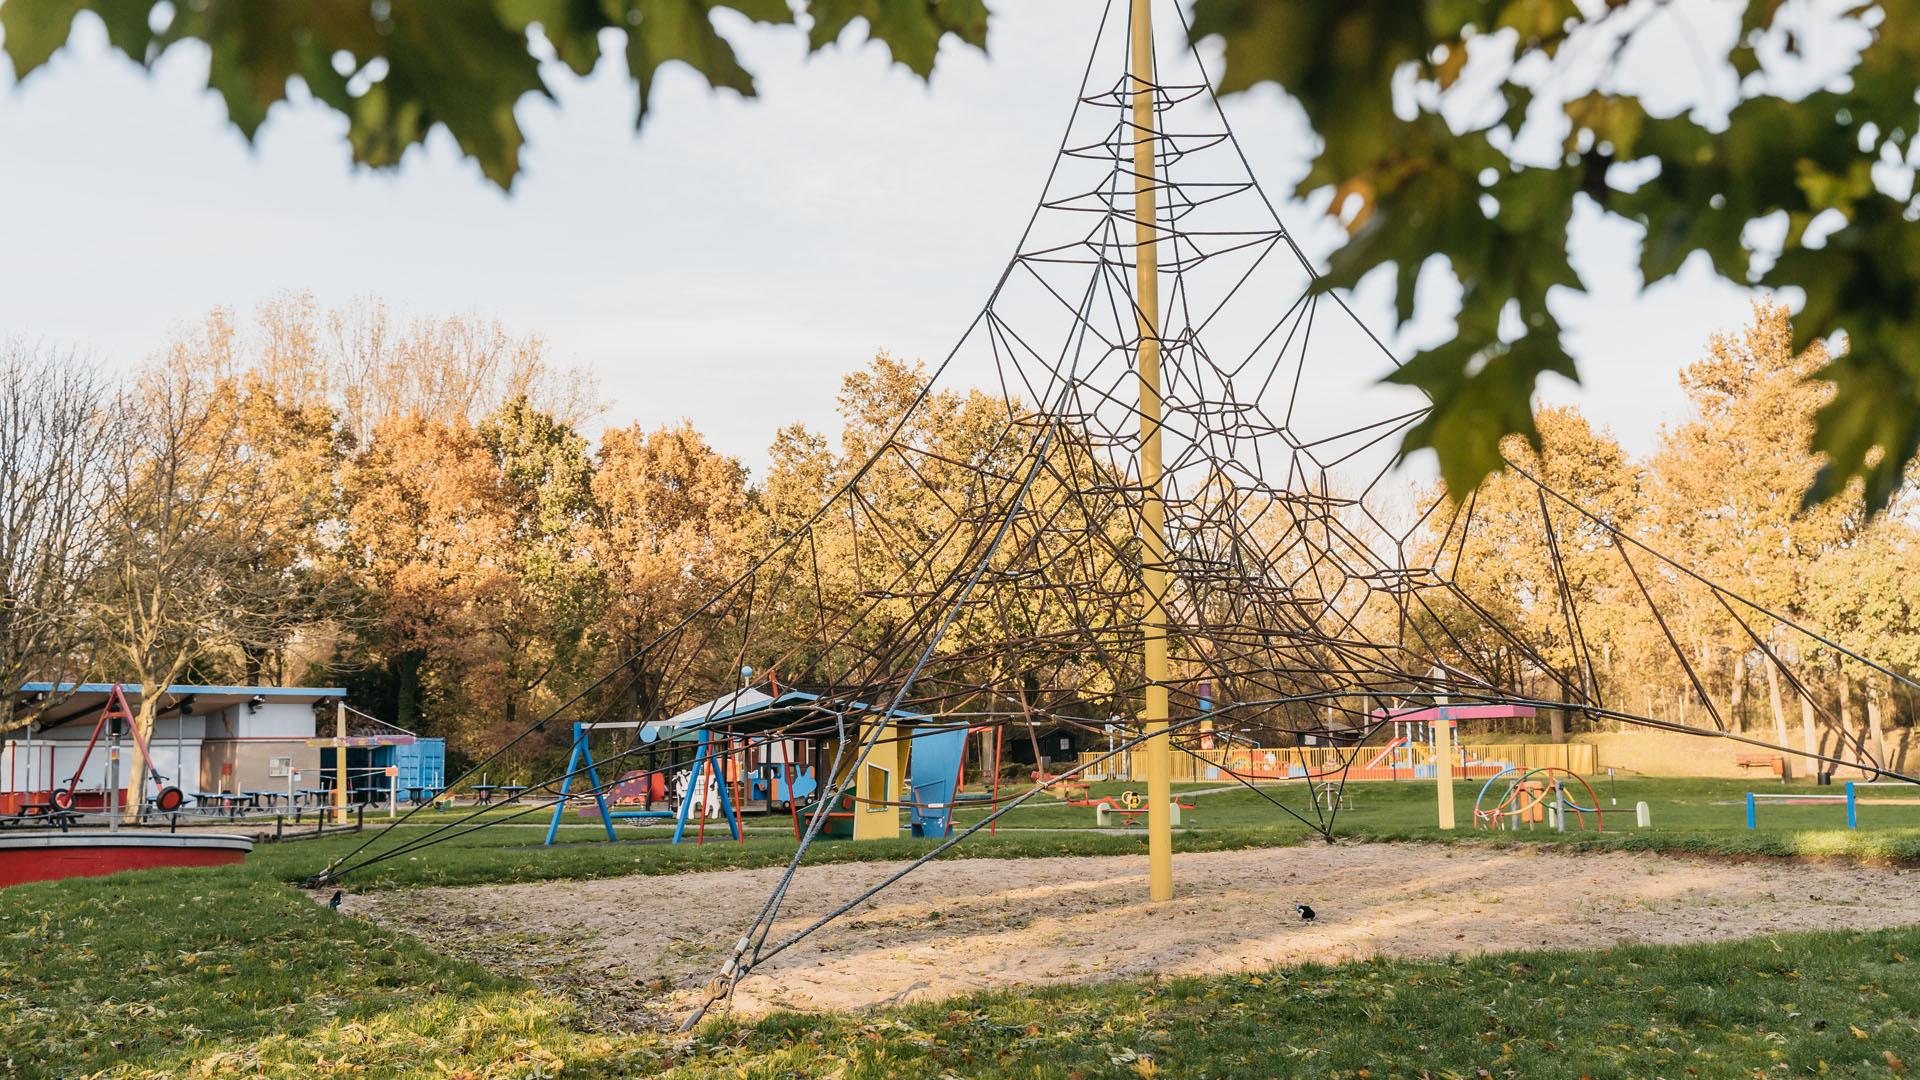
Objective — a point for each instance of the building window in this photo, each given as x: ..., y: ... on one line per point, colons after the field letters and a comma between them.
x: 279, y: 766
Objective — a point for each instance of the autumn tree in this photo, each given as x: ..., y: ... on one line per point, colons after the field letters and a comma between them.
x: 672, y: 526
x: 57, y: 429
x: 1529, y: 565
x: 1721, y: 499
x: 545, y: 593
x: 1868, y: 597
x: 423, y: 526
x: 370, y: 364
x: 189, y: 520
x: 379, y: 365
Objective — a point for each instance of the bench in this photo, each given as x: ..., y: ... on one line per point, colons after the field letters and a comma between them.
x: 1773, y: 763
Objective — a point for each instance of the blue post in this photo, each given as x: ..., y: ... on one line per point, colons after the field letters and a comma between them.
x: 726, y: 800
x: 704, y: 759
x: 1750, y: 821
x: 566, y: 784
x: 693, y: 786
x: 580, y: 752
x: 1853, y: 819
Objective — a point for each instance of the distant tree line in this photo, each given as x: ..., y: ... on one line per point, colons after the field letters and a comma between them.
x: 412, y: 508
x: 1720, y: 496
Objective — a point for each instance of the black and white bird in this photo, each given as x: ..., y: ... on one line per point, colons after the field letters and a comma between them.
x: 1306, y: 913
x: 338, y: 894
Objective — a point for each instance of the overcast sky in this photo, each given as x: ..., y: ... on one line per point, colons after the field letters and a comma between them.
x: 727, y: 265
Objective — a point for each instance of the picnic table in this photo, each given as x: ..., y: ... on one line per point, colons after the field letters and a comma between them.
x: 41, y: 814
x: 419, y: 793
x: 509, y: 792
x: 228, y: 801
x: 271, y: 798
x: 314, y: 795
x: 484, y: 792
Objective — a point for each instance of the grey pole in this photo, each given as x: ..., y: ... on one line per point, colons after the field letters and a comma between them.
x: 113, y: 781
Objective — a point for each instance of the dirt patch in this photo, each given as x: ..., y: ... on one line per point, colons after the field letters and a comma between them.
x: 966, y: 925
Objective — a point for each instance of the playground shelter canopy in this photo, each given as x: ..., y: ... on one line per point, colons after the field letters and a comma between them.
x: 83, y: 701
x: 795, y: 713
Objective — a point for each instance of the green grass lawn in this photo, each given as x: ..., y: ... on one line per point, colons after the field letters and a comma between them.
x: 229, y: 973
x: 1696, y: 816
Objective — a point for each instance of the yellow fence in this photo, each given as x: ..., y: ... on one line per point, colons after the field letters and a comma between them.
x: 1581, y: 758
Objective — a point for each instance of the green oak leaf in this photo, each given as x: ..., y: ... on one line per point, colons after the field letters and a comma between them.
x: 1865, y: 281
x: 1481, y: 394
x: 35, y: 30
x: 911, y: 29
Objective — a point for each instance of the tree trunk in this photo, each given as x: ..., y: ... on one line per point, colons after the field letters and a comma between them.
x: 1033, y: 733
x: 1737, y: 697
x: 1874, y: 730
x: 1779, y: 716
x: 133, y: 764
x: 250, y: 666
x: 1846, y: 713
x: 406, y: 688
x: 1557, y: 718
x: 1809, y: 736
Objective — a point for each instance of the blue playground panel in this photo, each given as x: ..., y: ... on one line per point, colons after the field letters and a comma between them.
x: 770, y: 783
x: 933, y: 775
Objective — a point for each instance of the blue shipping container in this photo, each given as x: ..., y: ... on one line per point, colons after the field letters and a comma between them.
x: 422, y: 769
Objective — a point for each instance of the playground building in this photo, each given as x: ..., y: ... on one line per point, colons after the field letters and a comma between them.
x: 212, y: 739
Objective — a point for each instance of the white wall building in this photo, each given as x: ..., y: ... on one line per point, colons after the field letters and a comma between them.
x: 205, y: 738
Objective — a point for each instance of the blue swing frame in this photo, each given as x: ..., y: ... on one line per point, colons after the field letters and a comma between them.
x: 580, y: 759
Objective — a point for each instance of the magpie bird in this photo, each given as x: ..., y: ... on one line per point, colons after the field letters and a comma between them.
x: 1306, y: 913
x: 339, y: 893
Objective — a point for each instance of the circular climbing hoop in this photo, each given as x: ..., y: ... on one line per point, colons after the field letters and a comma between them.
x: 1526, y: 799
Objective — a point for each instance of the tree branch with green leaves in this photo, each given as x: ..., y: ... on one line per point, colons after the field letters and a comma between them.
x: 1462, y: 132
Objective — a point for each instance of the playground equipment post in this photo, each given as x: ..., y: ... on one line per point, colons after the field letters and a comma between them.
x: 1153, y: 511
x: 340, y: 763
x: 113, y: 778
x: 1443, y: 766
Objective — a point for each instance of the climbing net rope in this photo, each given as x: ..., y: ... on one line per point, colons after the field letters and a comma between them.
x: 1314, y: 589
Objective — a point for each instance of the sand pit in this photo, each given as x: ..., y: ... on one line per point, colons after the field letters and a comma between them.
x: 975, y: 924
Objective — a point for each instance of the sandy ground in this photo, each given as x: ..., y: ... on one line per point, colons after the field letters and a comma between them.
x: 958, y: 926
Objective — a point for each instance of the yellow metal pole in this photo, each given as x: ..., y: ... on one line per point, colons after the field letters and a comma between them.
x: 1153, y: 511
x: 1443, y: 768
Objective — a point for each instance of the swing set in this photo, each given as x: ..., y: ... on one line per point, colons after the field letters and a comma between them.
x: 706, y: 770
x: 114, y: 713
x: 734, y: 772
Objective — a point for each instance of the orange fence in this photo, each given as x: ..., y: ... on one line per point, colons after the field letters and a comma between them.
x: 1293, y: 762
